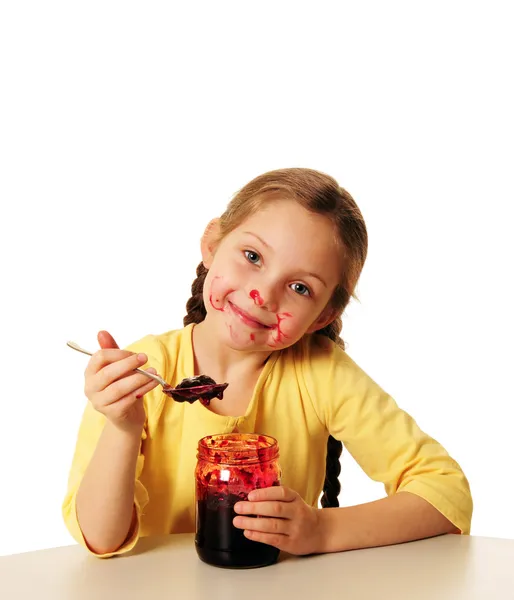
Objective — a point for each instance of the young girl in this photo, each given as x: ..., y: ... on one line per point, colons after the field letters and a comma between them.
x: 278, y: 269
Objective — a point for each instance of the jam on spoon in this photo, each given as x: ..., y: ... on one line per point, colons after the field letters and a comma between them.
x: 201, y: 387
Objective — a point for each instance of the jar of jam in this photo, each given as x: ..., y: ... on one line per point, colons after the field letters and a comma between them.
x: 229, y: 467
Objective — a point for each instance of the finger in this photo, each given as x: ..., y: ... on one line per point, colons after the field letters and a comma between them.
x: 274, y: 508
x: 150, y: 370
x: 124, y: 405
x: 104, y: 357
x: 281, y: 493
x: 137, y: 394
x: 106, y: 340
x: 272, y: 539
x: 115, y: 370
x: 143, y: 390
x: 275, y: 526
x: 127, y: 386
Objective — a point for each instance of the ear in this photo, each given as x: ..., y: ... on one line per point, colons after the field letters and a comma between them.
x: 209, y: 242
x: 326, y: 317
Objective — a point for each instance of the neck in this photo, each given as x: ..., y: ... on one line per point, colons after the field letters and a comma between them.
x: 221, y: 362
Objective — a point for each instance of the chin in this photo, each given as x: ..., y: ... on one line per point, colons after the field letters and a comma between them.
x: 250, y: 341
x: 239, y: 339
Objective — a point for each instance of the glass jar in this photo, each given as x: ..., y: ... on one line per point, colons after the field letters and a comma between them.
x: 229, y: 467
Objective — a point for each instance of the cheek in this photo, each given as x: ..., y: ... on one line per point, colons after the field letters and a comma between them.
x: 233, y: 275
x: 214, y: 293
x: 285, y: 330
x: 293, y: 324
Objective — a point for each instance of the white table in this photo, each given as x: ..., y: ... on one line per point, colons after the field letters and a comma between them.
x: 449, y: 567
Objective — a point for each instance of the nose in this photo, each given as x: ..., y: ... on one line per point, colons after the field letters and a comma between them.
x: 265, y: 297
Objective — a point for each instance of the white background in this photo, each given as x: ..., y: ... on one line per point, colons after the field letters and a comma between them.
x: 124, y: 127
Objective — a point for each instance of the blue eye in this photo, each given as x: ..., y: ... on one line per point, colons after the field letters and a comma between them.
x: 301, y: 289
x: 252, y: 257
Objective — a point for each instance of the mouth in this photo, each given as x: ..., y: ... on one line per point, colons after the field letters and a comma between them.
x: 246, y: 318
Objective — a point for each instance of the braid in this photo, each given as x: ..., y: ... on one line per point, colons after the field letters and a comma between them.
x: 195, y: 307
x: 332, y: 486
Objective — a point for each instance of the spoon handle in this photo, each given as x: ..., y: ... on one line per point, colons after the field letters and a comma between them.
x: 78, y: 348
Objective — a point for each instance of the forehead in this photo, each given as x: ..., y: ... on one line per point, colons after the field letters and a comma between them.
x: 302, y: 239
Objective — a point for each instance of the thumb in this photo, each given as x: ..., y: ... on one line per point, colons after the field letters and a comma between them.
x: 106, y: 340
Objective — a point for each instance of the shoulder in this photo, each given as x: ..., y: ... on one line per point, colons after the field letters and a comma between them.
x: 321, y: 356
x: 330, y: 376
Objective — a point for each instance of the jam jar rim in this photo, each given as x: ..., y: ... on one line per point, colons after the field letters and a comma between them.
x: 238, y: 456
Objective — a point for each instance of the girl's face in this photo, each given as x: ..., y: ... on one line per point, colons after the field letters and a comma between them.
x: 271, y: 279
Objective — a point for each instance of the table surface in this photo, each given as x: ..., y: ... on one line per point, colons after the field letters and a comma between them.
x: 446, y: 567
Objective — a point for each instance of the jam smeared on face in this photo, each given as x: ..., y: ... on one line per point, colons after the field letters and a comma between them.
x: 256, y: 297
x: 212, y: 301
x: 229, y: 467
x: 202, y: 388
x: 217, y: 293
x: 280, y: 335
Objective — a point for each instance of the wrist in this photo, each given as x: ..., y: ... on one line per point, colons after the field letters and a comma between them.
x: 329, y: 529
x: 127, y: 434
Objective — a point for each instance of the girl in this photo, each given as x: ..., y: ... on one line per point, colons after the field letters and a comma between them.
x: 278, y: 269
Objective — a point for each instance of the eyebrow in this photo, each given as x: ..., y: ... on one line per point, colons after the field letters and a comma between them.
x: 259, y: 238
x: 316, y: 277
x: 268, y: 246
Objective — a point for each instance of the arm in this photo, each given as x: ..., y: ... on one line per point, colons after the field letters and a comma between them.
x: 105, y: 499
x: 393, y: 520
x: 428, y: 493
x: 290, y: 524
x: 105, y: 472
x: 105, y: 496
x: 386, y: 442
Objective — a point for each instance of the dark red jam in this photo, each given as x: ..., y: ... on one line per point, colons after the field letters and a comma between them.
x: 201, y: 387
x: 229, y: 467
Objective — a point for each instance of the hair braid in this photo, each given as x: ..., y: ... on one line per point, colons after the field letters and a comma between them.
x: 195, y: 307
x: 332, y: 486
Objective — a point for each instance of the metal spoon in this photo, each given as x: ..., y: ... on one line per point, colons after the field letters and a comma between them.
x: 165, y: 385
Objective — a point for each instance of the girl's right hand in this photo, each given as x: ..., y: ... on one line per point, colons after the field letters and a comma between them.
x: 113, y: 388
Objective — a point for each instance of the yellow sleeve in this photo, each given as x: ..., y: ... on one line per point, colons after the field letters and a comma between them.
x: 384, y: 440
x: 90, y: 429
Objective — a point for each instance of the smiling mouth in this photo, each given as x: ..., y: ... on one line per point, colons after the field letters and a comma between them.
x: 246, y: 318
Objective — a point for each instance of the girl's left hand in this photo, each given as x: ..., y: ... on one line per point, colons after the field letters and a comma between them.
x: 286, y: 521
